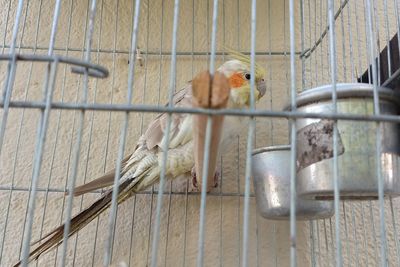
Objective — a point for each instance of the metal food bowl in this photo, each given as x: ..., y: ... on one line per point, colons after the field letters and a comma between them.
x: 271, y: 176
x: 357, y: 157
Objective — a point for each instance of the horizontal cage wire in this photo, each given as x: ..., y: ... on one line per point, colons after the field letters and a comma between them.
x: 81, y: 82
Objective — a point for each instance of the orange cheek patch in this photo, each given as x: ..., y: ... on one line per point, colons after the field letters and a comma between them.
x: 236, y: 80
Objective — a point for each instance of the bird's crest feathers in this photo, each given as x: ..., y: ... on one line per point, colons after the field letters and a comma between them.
x: 246, y: 60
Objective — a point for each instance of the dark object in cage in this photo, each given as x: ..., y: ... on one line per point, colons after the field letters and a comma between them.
x: 271, y: 177
x: 389, y: 66
x: 357, y: 150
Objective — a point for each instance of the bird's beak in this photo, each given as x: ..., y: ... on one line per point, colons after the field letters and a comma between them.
x: 261, y: 88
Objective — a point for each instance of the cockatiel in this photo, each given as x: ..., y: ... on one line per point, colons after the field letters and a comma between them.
x: 142, y: 168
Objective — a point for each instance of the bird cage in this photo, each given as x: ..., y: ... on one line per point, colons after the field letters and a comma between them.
x: 82, y: 80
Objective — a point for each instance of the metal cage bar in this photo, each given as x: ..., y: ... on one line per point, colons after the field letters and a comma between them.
x: 124, y: 129
x: 165, y: 145
x: 293, y: 141
x: 49, y: 83
x: 333, y: 44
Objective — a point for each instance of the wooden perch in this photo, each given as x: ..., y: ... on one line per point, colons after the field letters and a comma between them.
x: 212, y: 93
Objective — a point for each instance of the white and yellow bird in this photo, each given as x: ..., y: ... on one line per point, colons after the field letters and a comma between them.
x: 142, y: 168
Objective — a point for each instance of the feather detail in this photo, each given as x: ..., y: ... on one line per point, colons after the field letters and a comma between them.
x: 154, y: 135
x: 245, y: 59
x: 103, y: 181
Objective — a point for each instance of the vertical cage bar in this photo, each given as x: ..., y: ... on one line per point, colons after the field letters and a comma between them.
x: 319, y: 242
x: 158, y: 103
x: 71, y: 143
x: 90, y: 140
x: 293, y: 141
x: 72, y: 131
x: 23, y: 27
x: 332, y: 239
x: 285, y: 54
x: 365, y: 241
x: 366, y: 42
x: 375, y: 71
x: 343, y: 41
x: 131, y: 235
x: 355, y: 235
x: 141, y: 132
x: 270, y: 67
x: 387, y: 30
x: 274, y: 254
x: 377, y: 39
x: 187, y: 182
x: 156, y: 233
x: 222, y: 160
x: 353, y: 75
x: 250, y: 137
x: 106, y: 146
x: 328, y: 74
x: 321, y: 20
x: 17, y: 146
x: 7, y: 16
x: 220, y: 215
x: 76, y: 153
x: 358, y: 39
x: 11, y: 69
x: 58, y: 117
x: 333, y: 69
x: 396, y: 238
x: 375, y: 242
x: 42, y: 130
x: 315, y: 40
x: 313, y: 256
x: 326, y: 238
x: 302, y: 46
x: 90, y: 130
x: 146, y: 63
x: 122, y: 139
x: 167, y: 226
x: 346, y: 245
x: 57, y: 129
x: 397, y: 15
x: 207, y: 144
x: 310, y: 80
x: 238, y: 144
x: 25, y: 97
x: 48, y: 90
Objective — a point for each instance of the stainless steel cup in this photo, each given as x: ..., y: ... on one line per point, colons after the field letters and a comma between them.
x: 357, y: 160
x: 271, y: 176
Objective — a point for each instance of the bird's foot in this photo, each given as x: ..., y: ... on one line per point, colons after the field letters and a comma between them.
x: 195, y: 185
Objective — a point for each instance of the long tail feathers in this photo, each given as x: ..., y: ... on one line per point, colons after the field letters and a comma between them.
x: 101, y: 182
x: 55, y: 237
x: 104, y: 181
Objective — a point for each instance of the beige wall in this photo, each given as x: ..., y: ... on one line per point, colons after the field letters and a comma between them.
x: 269, y: 240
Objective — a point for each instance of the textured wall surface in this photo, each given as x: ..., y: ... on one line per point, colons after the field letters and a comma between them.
x: 269, y: 240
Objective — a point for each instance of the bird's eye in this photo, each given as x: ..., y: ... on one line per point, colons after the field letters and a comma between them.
x: 247, y: 76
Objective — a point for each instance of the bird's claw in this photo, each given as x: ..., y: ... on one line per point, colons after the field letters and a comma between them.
x: 195, y: 183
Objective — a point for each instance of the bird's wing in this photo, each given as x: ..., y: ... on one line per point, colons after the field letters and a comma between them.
x: 152, y: 139
x: 149, y: 147
x: 179, y: 133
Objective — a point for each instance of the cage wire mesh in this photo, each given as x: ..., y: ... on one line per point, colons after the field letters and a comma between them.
x: 63, y: 125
